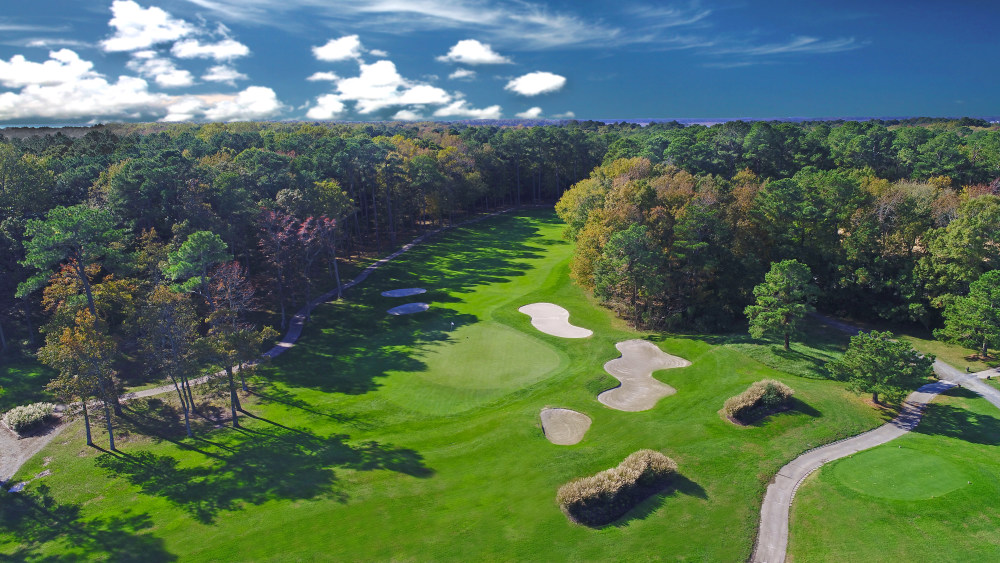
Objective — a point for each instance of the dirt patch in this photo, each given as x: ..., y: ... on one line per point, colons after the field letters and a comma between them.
x: 564, y: 427
x: 639, y: 391
x: 14, y: 452
x: 553, y: 319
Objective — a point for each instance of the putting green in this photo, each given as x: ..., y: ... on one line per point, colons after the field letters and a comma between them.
x: 478, y: 364
x: 899, y: 473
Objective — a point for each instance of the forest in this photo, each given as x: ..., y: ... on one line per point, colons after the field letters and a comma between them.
x: 122, y: 242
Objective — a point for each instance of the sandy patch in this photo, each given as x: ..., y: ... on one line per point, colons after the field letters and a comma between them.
x: 405, y: 292
x: 553, y: 319
x: 564, y: 427
x: 639, y: 391
x: 409, y: 309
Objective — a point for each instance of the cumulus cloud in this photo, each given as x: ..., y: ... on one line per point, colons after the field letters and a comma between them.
x: 535, y: 83
x: 224, y: 74
x: 255, y: 102
x: 462, y: 74
x: 342, y: 49
x: 162, y: 70
x: 380, y: 86
x: 378, y: 53
x: 321, y: 76
x: 88, y: 98
x: 472, y: 52
x: 531, y: 113
x: 62, y: 66
x: 565, y: 115
x: 461, y: 108
x: 407, y: 115
x: 140, y: 28
x: 327, y: 106
x: 224, y: 50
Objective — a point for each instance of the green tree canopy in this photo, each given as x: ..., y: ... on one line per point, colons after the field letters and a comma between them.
x: 783, y: 299
x: 875, y: 363
x: 191, y: 262
x: 974, y: 320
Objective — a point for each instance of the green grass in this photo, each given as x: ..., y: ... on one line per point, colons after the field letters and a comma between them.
x: 398, y: 438
x: 957, y: 356
x: 927, y: 496
x: 818, y: 344
x: 22, y: 381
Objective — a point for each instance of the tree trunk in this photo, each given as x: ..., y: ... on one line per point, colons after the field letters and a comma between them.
x: 86, y: 421
x: 107, y: 420
x: 985, y: 350
x: 82, y: 273
x: 336, y: 272
x: 786, y: 342
x: 25, y: 306
x: 875, y: 397
x: 184, y: 405
x: 234, y: 401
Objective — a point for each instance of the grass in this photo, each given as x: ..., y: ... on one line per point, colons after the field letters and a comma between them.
x: 818, y: 344
x: 22, y: 382
x: 927, y: 496
x: 381, y: 437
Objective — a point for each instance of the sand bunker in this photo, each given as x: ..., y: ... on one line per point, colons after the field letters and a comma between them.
x: 409, y: 309
x: 405, y: 292
x: 564, y: 427
x: 553, y: 319
x: 639, y: 391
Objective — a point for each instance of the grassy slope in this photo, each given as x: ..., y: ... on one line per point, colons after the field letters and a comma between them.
x: 397, y: 438
x: 927, y: 496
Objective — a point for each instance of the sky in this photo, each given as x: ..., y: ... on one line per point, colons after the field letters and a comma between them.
x: 80, y: 62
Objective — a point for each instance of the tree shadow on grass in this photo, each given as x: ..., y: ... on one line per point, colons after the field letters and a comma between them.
x: 946, y: 420
x: 679, y: 484
x: 358, y: 342
x: 256, y: 466
x: 36, y: 520
x: 762, y: 418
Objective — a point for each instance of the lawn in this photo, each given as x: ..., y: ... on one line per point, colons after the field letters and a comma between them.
x: 22, y: 381
x: 405, y: 438
x: 927, y: 496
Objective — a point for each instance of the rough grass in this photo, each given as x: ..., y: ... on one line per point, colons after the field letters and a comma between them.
x: 603, y: 498
x: 23, y: 381
x: 955, y: 355
x: 927, y: 496
x: 760, y: 399
x: 336, y: 464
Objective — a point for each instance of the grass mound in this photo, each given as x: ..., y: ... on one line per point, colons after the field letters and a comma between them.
x: 606, y: 496
x: 760, y: 399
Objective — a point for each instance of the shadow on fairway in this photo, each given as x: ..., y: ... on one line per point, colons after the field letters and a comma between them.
x: 946, y: 420
x: 679, y: 484
x: 255, y: 465
x: 351, y: 343
x: 35, y: 519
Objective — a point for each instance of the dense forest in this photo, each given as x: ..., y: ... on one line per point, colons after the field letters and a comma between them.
x: 120, y: 242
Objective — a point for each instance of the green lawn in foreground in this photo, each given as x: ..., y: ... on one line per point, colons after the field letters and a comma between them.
x: 927, y: 496
x: 398, y: 438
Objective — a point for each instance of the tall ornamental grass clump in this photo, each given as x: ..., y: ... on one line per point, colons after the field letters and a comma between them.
x: 760, y: 399
x: 606, y: 496
x: 25, y: 417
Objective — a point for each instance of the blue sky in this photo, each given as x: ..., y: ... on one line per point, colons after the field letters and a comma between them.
x: 71, y: 62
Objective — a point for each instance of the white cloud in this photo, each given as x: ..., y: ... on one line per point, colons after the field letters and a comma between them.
x: 407, y: 115
x: 461, y: 108
x: 140, y: 28
x: 256, y: 102
x: 531, y: 113
x: 321, y: 76
x: 798, y: 44
x: 224, y: 74
x: 565, y: 115
x: 88, y: 98
x: 535, y: 83
x: 328, y: 106
x: 472, y: 52
x: 63, y: 66
x: 224, y: 50
x: 378, y: 53
x: 57, y: 43
x: 462, y: 74
x: 380, y: 86
x: 162, y: 70
x: 342, y: 49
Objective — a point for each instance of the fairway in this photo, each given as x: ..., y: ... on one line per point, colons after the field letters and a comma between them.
x: 381, y: 437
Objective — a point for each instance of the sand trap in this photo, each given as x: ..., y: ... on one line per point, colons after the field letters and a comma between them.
x: 564, y: 427
x: 639, y: 391
x: 405, y: 292
x: 409, y: 309
x: 553, y: 319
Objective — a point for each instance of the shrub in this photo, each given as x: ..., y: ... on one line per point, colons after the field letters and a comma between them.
x: 606, y: 496
x: 761, y: 398
x: 24, y: 417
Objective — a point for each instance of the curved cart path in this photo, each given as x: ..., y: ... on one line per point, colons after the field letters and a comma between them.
x: 14, y: 452
x: 772, y: 537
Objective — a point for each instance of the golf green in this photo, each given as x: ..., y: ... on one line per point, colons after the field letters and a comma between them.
x: 899, y: 473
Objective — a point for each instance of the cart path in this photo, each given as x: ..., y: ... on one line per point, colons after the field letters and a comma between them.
x: 14, y: 452
x: 772, y: 538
